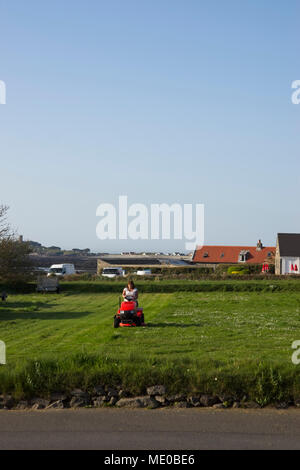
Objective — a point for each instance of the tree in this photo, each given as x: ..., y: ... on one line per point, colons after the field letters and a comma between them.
x: 15, y: 264
x: 4, y: 226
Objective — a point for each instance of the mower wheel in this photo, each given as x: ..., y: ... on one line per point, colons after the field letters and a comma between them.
x: 116, y: 322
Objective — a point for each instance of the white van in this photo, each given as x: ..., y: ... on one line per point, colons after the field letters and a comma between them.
x: 113, y: 272
x: 61, y: 270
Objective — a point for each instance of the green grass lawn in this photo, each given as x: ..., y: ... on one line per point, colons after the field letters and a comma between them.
x: 235, y: 342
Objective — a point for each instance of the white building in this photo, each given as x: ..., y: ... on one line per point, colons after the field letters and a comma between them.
x: 287, y: 259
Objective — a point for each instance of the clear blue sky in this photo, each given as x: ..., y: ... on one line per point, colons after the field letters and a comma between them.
x: 162, y: 100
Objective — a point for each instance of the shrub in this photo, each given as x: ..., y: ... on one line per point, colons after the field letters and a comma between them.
x: 240, y: 270
x: 15, y: 264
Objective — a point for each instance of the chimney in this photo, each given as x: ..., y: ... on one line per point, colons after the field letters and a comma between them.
x: 21, y: 238
x: 259, y: 246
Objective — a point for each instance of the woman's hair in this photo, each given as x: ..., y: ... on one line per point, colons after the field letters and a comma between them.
x: 131, y: 284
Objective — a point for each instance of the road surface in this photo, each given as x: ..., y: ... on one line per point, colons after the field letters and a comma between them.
x: 163, y: 429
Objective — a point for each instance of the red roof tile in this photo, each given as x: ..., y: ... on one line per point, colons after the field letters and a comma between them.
x: 230, y: 254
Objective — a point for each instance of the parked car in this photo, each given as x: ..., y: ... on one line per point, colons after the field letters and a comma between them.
x: 144, y: 272
x: 113, y: 272
x: 61, y: 270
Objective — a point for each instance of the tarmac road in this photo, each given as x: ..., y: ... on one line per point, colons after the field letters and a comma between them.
x: 164, y: 429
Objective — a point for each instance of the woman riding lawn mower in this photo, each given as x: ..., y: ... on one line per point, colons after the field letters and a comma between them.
x: 129, y: 313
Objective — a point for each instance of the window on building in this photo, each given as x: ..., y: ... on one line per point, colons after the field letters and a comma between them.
x: 243, y: 256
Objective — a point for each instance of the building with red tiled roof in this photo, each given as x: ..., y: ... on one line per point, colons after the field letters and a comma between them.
x: 214, y: 255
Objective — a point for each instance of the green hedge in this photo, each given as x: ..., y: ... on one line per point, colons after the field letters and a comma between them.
x: 164, y: 286
x: 160, y: 285
x: 165, y: 271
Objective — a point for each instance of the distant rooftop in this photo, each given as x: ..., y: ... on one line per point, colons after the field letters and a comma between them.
x: 142, y: 260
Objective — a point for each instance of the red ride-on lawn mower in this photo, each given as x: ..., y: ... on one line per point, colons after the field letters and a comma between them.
x: 129, y: 314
